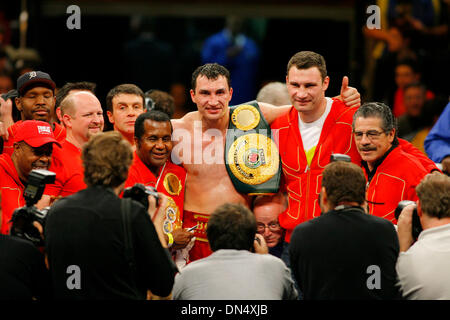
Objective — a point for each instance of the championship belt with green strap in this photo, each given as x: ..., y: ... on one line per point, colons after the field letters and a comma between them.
x: 251, y: 156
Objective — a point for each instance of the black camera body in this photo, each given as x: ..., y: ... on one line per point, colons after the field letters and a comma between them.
x: 140, y: 193
x: 23, y: 218
x: 12, y: 94
x: 416, y: 225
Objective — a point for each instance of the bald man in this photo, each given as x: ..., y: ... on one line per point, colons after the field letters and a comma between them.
x: 82, y: 116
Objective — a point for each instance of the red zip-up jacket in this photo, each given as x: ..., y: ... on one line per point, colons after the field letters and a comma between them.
x: 11, y: 191
x: 393, y: 180
x: 303, y: 182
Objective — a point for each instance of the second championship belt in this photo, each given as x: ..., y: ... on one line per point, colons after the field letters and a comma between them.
x: 251, y: 156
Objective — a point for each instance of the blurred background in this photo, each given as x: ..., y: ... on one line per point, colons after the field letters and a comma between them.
x: 158, y: 44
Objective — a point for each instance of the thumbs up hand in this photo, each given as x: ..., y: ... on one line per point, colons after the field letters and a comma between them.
x: 349, y: 95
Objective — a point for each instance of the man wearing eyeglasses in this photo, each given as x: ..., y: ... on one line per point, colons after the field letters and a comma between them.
x: 266, y: 210
x: 33, y: 148
x: 392, y: 174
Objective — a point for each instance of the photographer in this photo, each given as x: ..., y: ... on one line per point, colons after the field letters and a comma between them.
x: 85, y: 233
x: 423, y: 267
x: 232, y: 272
x: 345, y: 253
x: 32, y: 149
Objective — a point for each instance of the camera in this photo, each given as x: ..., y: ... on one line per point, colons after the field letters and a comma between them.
x: 23, y: 218
x: 416, y: 226
x: 340, y: 157
x: 12, y: 94
x: 140, y: 193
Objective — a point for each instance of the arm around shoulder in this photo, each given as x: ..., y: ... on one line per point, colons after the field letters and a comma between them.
x: 272, y: 112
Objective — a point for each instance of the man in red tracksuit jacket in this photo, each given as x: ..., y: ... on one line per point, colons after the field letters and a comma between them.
x: 314, y: 128
x: 303, y: 177
x: 392, y: 174
x: 152, y: 167
x: 33, y: 148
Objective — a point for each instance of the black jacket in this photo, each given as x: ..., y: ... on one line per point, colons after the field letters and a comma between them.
x: 345, y: 254
x: 85, y: 244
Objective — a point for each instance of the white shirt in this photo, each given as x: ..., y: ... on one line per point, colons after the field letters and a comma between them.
x: 424, y: 270
x: 310, y: 131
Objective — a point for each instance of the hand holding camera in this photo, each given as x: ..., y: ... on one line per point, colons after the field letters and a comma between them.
x: 28, y: 222
x: 260, y: 245
x: 408, y: 224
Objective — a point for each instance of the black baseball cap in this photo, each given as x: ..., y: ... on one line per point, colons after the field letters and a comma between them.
x: 34, y: 79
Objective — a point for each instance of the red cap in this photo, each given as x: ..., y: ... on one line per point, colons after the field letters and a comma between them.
x: 35, y: 133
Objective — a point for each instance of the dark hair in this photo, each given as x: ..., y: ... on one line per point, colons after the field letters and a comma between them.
x: 231, y: 226
x: 126, y: 88
x: 344, y: 182
x: 106, y: 159
x: 416, y: 85
x: 434, y: 195
x: 69, y: 86
x: 306, y: 60
x: 211, y: 71
x: 377, y: 110
x: 413, y: 64
x: 154, y: 115
x: 162, y: 101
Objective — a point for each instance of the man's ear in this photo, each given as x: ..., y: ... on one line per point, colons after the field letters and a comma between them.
x: 323, y: 200
x: 110, y: 117
x: 419, y: 208
x: 58, y: 113
x: 192, y: 93
x: 18, y: 104
x: 16, y: 146
x: 324, y: 194
x: 325, y: 83
x: 391, y: 135
x: 67, y: 120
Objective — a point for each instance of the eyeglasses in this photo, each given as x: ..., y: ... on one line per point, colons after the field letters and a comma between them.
x: 272, y: 226
x: 371, y: 134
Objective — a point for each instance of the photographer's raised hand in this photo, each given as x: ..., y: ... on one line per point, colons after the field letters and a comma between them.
x: 6, y: 119
x: 260, y: 245
x: 404, y: 227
